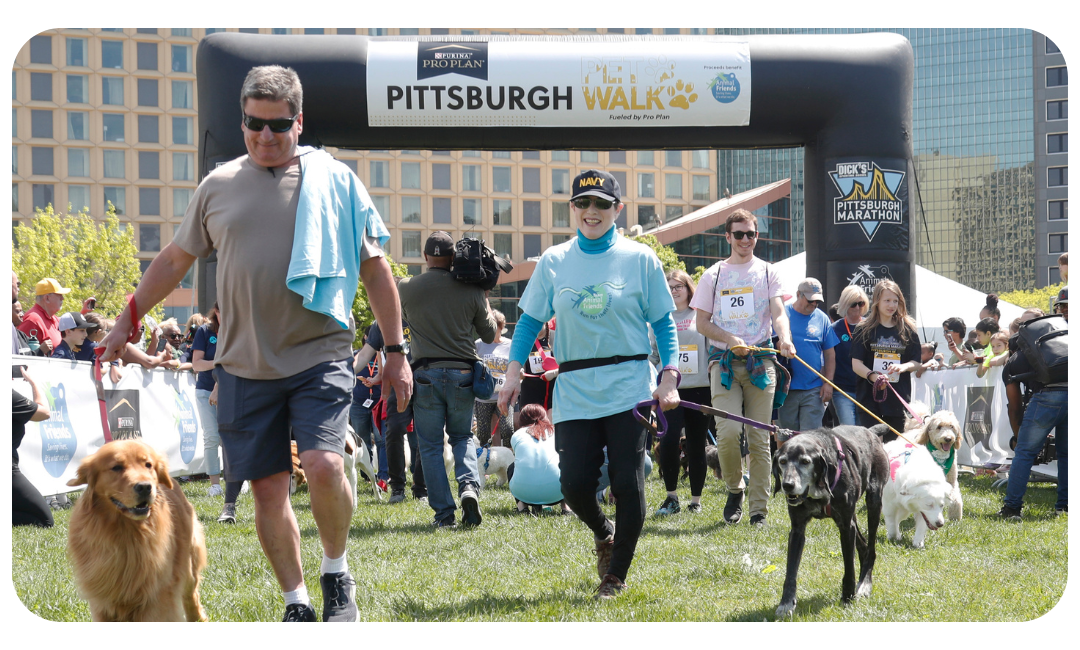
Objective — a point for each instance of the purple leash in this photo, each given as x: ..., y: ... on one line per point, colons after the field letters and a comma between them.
x: 782, y: 434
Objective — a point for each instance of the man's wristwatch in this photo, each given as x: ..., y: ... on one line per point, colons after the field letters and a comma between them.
x: 402, y: 347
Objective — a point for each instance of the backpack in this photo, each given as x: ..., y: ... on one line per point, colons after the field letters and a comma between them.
x: 1045, y: 343
x: 475, y: 263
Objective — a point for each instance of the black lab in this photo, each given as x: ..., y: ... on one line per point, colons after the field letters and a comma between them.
x: 807, y: 464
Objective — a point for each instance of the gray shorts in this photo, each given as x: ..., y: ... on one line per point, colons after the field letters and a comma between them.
x: 256, y: 417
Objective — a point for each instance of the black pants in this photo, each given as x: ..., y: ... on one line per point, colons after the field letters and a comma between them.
x: 894, y: 421
x: 395, y: 428
x: 28, y: 507
x: 581, y: 454
x: 694, y: 424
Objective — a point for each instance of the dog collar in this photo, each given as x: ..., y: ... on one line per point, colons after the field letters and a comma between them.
x: 946, y: 465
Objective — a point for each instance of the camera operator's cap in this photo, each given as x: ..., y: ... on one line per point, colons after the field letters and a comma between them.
x: 596, y: 183
x: 49, y: 285
x: 73, y: 320
x: 810, y: 288
x: 439, y: 244
x: 1063, y: 296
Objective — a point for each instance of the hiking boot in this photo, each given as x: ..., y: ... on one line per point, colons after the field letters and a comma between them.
x: 670, y: 506
x: 397, y: 496
x: 228, y: 514
x: 603, y: 552
x: 470, y: 507
x: 757, y: 520
x: 733, y: 507
x: 1010, y: 514
x: 694, y: 508
x: 215, y: 490
x: 609, y: 588
x: 298, y: 613
x: 339, y: 597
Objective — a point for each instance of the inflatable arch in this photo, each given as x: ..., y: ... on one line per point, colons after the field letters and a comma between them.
x: 845, y: 98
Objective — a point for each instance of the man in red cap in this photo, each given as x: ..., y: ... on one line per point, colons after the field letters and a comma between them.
x: 41, y: 321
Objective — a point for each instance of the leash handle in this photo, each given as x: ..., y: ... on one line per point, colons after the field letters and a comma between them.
x: 660, y: 430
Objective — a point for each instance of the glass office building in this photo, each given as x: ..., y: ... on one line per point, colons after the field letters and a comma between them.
x: 974, y: 192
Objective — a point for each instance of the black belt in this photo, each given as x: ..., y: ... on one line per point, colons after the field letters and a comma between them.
x: 582, y: 364
x: 423, y: 362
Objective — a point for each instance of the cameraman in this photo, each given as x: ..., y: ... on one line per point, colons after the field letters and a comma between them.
x: 1046, y: 410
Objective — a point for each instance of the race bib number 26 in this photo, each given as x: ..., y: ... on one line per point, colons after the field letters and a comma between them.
x: 737, y: 304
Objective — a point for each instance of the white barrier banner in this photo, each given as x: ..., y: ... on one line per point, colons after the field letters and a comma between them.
x: 980, y: 406
x: 572, y: 83
x: 155, y: 405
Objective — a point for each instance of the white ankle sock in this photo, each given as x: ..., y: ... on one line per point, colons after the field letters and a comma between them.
x: 340, y: 565
x: 300, y: 596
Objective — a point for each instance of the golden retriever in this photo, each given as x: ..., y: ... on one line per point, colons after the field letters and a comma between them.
x: 135, y: 544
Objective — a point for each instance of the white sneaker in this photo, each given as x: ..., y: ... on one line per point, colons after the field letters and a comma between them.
x: 215, y: 490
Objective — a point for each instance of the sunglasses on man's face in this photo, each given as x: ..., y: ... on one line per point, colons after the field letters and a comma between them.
x: 278, y: 125
x: 583, y: 203
x: 739, y: 234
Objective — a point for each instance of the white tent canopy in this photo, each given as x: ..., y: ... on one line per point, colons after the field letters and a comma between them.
x: 939, y: 298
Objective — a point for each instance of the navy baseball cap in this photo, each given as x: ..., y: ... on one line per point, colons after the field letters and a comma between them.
x: 439, y: 244
x: 596, y: 183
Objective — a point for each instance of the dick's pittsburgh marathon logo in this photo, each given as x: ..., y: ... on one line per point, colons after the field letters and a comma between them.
x: 869, y: 196
x: 439, y: 58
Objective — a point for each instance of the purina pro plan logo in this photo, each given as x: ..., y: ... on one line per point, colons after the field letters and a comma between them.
x: 869, y: 196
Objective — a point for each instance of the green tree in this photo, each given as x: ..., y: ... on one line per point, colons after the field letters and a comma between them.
x: 668, y: 257
x: 1041, y: 298
x: 361, y: 308
x: 92, y: 258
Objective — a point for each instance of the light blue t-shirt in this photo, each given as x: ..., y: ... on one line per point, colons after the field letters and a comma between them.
x: 812, y: 335
x: 603, y: 304
x: 536, y: 469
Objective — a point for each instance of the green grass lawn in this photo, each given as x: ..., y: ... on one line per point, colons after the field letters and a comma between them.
x: 687, y: 568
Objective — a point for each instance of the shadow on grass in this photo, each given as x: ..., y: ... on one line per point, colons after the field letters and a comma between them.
x: 804, y: 607
x: 490, y: 606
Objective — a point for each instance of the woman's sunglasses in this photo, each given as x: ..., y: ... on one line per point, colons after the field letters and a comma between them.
x: 279, y: 125
x: 857, y: 304
x: 583, y: 203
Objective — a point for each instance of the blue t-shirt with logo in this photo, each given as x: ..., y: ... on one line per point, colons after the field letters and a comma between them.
x: 812, y: 335
x: 206, y: 340
x: 845, y: 377
x: 603, y: 304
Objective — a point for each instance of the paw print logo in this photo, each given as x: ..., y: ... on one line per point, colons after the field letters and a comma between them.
x: 682, y: 95
x: 660, y: 70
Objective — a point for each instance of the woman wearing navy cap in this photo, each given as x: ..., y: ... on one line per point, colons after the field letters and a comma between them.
x: 604, y: 291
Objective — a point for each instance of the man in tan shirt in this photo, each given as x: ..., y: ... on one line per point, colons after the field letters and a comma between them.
x: 290, y: 364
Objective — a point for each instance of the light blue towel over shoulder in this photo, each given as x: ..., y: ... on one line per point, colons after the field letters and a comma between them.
x: 332, y: 214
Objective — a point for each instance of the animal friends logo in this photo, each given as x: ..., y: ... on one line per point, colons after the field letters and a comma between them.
x: 58, y: 441
x: 185, y: 425
x: 725, y: 87
x: 593, y: 301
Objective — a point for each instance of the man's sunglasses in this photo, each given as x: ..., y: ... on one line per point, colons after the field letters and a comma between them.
x: 739, y: 234
x: 279, y: 125
x: 583, y: 203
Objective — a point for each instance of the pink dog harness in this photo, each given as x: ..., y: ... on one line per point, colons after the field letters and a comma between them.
x: 895, y: 462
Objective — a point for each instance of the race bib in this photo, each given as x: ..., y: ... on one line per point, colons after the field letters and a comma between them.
x: 737, y: 304
x: 688, y: 361
x: 536, y: 363
x: 499, y: 381
x: 883, y: 361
